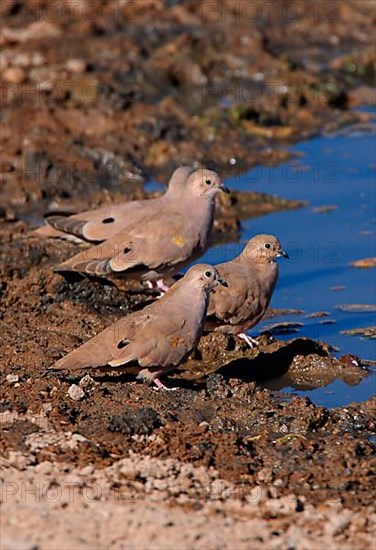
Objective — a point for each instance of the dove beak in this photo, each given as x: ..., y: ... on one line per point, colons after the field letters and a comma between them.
x: 222, y: 282
x: 222, y: 187
x: 283, y: 254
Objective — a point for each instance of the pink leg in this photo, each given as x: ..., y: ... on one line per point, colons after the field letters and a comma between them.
x: 162, y: 287
x: 250, y: 341
x: 161, y: 386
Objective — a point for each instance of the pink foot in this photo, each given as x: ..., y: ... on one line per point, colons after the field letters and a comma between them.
x: 250, y: 341
x: 161, y: 386
x: 162, y: 287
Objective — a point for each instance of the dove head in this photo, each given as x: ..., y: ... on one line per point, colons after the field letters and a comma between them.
x: 263, y: 249
x: 204, y: 276
x: 178, y: 181
x: 205, y: 183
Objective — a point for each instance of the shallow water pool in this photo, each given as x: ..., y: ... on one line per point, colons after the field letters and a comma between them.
x: 336, y: 175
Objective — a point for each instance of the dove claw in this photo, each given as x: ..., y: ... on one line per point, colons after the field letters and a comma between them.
x: 160, y: 386
x: 250, y: 341
x: 162, y: 287
x: 158, y: 338
x: 158, y: 285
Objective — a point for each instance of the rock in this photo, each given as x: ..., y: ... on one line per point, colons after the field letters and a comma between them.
x: 14, y: 75
x: 79, y: 438
x: 317, y: 314
x: 282, y: 328
x: 76, y: 393
x: 12, y: 378
x: 368, y: 332
x: 365, y: 263
x: 76, y: 65
x: 338, y: 523
x: 87, y: 470
x: 325, y: 209
x: 87, y: 383
x: 280, y: 506
x: 47, y: 407
x: 45, y: 467
x: 356, y: 308
x: 36, y: 30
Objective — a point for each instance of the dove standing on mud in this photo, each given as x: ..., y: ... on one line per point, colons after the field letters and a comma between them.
x: 160, y: 245
x: 159, y: 337
x: 252, y: 278
x: 95, y: 226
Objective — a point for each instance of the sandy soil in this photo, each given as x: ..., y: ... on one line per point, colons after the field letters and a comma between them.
x: 92, y: 106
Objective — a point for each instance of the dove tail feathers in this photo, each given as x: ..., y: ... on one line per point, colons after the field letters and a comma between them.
x: 66, y: 224
x: 94, y: 267
x: 86, y: 356
x: 49, y: 232
x: 70, y: 362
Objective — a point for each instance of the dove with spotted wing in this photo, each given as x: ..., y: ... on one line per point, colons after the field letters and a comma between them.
x: 160, y: 245
x: 95, y: 226
x: 159, y: 337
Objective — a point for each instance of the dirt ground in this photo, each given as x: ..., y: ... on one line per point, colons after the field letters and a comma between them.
x: 96, y: 98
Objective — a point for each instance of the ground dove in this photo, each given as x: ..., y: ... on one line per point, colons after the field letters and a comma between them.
x: 160, y: 245
x: 159, y: 337
x: 98, y: 225
x: 252, y: 278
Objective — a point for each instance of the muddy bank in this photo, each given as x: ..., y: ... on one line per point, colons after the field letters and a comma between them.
x: 220, y: 453
x: 312, y: 465
x: 219, y: 417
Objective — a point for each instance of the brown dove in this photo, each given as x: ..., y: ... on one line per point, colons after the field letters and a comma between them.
x: 252, y: 278
x: 98, y: 225
x: 160, y: 245
x: 159, y: 337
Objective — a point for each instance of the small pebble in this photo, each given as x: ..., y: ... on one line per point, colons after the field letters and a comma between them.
x: 87, y: 383
x: 76, y: 393
x: 12, y: 378
x: 79, y: 438
x: 14, y: 75
x: 86, y: 470
x: 76, y: 65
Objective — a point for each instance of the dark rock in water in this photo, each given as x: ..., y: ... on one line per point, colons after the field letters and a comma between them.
x: 282, y: 328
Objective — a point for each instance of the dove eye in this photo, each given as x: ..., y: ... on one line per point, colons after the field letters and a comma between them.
x: 208, y: 273
x: 267, y: 245
x: 208, y: 181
